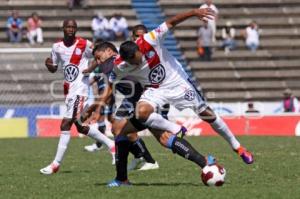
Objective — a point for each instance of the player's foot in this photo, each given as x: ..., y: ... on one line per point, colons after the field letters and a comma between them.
x: 135, y: 164
x: 93, y: 148
x: 117, y: 183
x: 182, y: 132
x: 149, y: 166
x: 245, y: 155
x: 210, y: 160
x: 113, y: 155
x: 50, y: 169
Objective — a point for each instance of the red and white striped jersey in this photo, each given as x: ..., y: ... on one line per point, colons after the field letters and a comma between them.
x: 73, y: 60
x: 158, y: 69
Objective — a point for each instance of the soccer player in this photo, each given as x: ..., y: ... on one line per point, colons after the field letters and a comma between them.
x: 142, y: 157
x: 73, y: 54
x: 149, y: 62
x: 123, y: 126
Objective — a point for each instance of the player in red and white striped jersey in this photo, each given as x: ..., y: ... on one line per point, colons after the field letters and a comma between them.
x: 72, y: 54
x: 147, y: 61
x: 150, y: 63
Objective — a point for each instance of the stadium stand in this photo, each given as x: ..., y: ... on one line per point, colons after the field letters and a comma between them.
x: 241, y: 74
x: 24, y: 78
x: 233, y: 77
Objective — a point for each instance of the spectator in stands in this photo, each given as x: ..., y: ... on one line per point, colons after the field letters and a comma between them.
x: 228, y: 34
x: 212, y: 22
x: 119, y: 25
x: 34, y: 29
x: 251, y: 35
x: 101, y: 28
x: 205, y: 41
x: 290, y: 103
x: 73, y: 3
x: 251, y: 108
x: 14, y: 27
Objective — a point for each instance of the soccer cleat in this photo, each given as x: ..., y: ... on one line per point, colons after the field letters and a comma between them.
x: 135, y: 164
x: 117, y: 183
x: 92, y: 148
x: 149, y: 166
x: 113, y: 155
x: 210, y: 160
x: 182, y: 132
x: 245, y: 155
x: 50, y: 169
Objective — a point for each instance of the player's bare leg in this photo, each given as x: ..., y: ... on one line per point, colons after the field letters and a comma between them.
x: 97, y: 146
x: 64, y: 140
x: 222, y: 129
x: 145, y: 114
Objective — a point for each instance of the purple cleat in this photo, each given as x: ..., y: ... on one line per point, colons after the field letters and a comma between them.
x: 182, y: 132
x: 245, y: 155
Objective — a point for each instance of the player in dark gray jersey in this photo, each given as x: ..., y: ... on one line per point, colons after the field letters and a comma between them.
x: 132, y: 92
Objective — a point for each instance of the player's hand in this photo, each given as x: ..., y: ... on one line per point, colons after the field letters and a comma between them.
x: 48, y: 61
x: 50, y: 66
x: 86, y: 72
x: 205, y: 14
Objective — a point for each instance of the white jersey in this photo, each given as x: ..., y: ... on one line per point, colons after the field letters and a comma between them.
x: 73, y: 60
x: 158, y: 69
x: 164, y: 76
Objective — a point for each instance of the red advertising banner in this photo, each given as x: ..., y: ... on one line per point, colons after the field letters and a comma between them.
x: 254, y: 125
x: 281, y: 125
x: 50, y: 127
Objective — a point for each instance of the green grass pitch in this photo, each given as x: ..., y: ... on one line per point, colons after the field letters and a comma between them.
x: 275, y: 173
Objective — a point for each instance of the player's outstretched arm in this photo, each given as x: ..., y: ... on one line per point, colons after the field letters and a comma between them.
x: 50, y: 66
x: 98, y: 104
x: 203, y: 14
x: 91, y: 68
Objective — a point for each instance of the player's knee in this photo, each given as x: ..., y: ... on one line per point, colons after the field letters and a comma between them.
x: 143, y: 112
x: 66, y: 125
x: 116, y: 128
x: 163, y: 140
x: 82, y: 129
x: 208, y: 115
x: 132, y: 137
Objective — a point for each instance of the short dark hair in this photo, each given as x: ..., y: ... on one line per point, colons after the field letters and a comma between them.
x: 139, y: 27
x: 66, y: 21
x: 128, y: 49
x: 103, y: 46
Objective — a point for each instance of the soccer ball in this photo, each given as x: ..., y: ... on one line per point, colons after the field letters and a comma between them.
x: 213, y: 175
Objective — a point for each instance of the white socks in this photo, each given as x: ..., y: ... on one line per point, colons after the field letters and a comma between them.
x: 156, y: 121
x: 64, y: 140
x: 98, y: 136
x: 222, y: 129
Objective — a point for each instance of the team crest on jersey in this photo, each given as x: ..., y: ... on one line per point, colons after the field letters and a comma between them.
x: 189, y: 95
x: 71, y: 72
x: 77, y: 51
x: 157, y: 74
x: 150, y: 54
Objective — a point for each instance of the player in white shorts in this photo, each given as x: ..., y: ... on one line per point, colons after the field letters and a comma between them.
x: 165, y: 81
x: 73, y: 54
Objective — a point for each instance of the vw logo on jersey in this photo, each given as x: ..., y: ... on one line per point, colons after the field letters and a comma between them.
x: 189, y: 95
x: 71, y: 72
x: 150, y: 54
x: 157, y: 74
x: 77, y: 51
